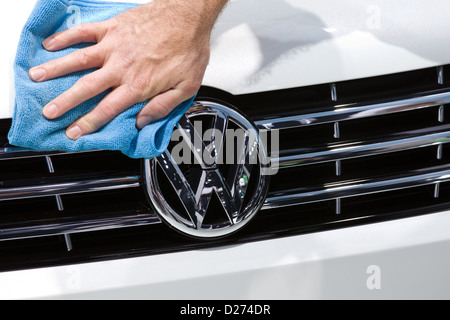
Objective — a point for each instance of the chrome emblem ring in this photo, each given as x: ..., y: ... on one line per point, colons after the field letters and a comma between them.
x: 214, y: 180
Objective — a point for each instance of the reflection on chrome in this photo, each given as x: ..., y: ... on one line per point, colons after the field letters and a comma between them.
x: 291, y: 197
x: 33, y: 189
x: 196, y: 194
x: 361, y: 149
x: 356, y: 111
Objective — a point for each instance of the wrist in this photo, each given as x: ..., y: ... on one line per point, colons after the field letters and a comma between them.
x: 201, y: 15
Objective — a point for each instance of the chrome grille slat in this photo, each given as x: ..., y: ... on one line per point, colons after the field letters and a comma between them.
x: 353, y: 150
x: 290, y: 198
x: 355, y: 111
x: 89, y: 224
x: 69, y: 187
x: 12, y: 152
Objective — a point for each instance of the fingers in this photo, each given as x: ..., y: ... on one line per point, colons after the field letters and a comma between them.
x: 112, y: 105
x: 89, y: 32
x: 83, y: 59
x: 161, y: 105
x: 121, y: 99
x: 91, y: 57
x: 85, y: 88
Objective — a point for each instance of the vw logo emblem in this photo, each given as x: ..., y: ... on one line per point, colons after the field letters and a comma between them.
x: 212, y: 179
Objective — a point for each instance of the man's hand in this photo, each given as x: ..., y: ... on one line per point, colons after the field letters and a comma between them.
x: 157, y: 51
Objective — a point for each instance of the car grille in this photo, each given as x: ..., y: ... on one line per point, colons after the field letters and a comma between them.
x: 351, y: 152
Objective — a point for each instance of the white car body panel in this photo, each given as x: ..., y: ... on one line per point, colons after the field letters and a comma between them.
x: 284, y: 44
x: 304, y: 42
x: 409, y: 256
x: 268, y: 45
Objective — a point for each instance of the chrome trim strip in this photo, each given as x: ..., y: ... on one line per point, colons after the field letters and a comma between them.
x: 80, y: 186
x: 354, y: 189
x: 18, y: 152
x: 355, y: 111
x: 361, y: 150
x: 87, y: 225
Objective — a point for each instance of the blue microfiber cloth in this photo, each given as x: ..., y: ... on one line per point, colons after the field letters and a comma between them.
x: 29, y: 127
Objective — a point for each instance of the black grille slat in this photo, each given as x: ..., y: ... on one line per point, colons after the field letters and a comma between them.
x: 388, y: 86
x: 89, y: 162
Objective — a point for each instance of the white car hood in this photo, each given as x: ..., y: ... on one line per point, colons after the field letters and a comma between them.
x: 261, y: 45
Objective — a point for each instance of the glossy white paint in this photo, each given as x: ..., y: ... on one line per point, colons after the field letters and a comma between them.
x: 278, y: 44
x: 261, y: 45
x: 287, y: 43
x: 401, y: 259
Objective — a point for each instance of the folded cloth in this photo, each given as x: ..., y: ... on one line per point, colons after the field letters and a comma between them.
x: 30, y: 129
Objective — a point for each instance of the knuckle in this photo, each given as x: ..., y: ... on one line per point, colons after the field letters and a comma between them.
x: 139, y: 88
x: 82, y: 30
x: 107, y: 112
x: 139, y: 85
x: 112, y: 24
x: 142, y: 83
x: 88, y: 57
x: 87, y: 124
x: 191, y: 87
x: 160, y: 109
x: 51, y: 68
x: 89, y: 84
x: 83, y: 58
x: 64, y: 102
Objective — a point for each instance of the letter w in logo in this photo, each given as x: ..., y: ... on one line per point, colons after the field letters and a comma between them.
x: 196, y: 196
